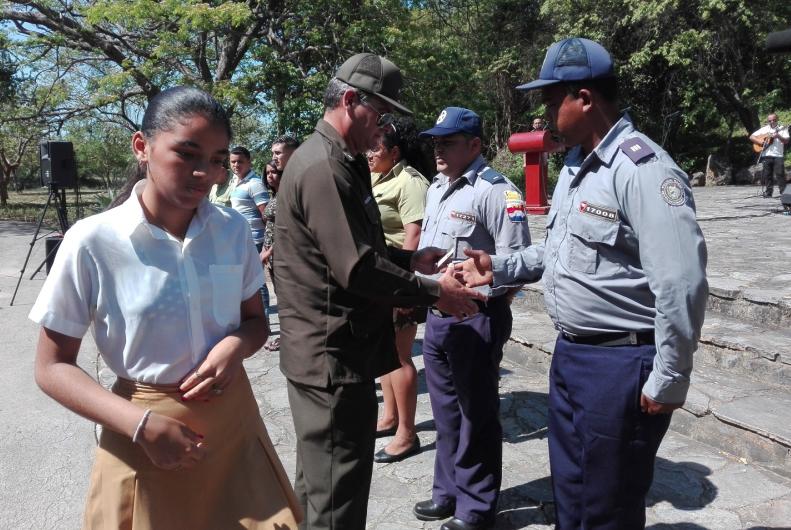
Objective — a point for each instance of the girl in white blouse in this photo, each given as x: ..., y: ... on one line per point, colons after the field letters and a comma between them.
x: 168, y: 285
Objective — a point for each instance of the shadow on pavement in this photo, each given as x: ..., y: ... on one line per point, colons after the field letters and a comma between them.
x: 682, y: 484
x: 526, y: 504
x: 524, y: 415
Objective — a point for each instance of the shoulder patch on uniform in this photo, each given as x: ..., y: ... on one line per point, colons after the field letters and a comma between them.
x: 463, y: 216
x: 636, y: 149
x: 514, y: 206
x: 491, y: 176
x: 602, y: 212
x: 673, y: 192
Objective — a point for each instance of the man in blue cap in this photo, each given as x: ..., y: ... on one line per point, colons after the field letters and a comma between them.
x: 624, y: 269
x: 468, y: 205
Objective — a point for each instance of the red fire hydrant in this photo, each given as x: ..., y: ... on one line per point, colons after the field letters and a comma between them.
x: 535, y: 145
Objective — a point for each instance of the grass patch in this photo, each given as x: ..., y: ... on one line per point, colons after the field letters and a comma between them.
x: 27, y: 205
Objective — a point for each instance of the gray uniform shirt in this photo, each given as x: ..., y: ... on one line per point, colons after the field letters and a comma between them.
x: 623, y: 252
x: 481, y: 210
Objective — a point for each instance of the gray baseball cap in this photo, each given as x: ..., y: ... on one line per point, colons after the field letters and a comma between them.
x: 375, y: 75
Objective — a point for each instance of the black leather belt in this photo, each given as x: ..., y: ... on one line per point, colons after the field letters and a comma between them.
x: 627, y: 338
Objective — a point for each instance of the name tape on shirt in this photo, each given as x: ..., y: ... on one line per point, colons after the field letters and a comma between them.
x: 463, y: 216
x: 514, y: 206
x: 602, y: 212
x: 673, y: 192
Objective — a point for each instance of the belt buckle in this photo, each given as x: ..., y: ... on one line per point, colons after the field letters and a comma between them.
x: 633, y: 338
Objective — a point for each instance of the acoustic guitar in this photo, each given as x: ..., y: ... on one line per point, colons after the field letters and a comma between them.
x: 766, y: 139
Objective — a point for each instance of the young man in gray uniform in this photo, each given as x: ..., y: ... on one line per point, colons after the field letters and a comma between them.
x: 337, y: 288
x: 624, y: 269
x: 468, y: 205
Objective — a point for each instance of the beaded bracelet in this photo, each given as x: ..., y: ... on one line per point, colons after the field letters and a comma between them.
x: 141, y: 426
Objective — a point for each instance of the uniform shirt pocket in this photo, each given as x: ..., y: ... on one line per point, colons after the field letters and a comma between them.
x: 226, y: 283
x: 457, y: 230
x: 586, y: 239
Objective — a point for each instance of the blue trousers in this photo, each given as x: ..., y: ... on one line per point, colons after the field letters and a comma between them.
x: 462, y: 360
x: 601, y: 446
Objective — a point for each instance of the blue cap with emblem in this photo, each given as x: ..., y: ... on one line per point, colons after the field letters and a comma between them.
x: 574, y: 59
x: 453, y: 120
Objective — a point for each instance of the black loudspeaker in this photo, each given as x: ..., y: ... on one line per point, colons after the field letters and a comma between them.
x: 51, y: 245
x: 58, y: 166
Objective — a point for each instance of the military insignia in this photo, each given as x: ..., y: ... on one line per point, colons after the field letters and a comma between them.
x: 442, y: 116
x: 636, y: 149
x: 514, y: 206
x: 673, y: 192
x: 463, y: 216
x: 602, y: 212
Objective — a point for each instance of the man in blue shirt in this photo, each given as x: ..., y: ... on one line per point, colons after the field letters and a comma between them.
x: 468, y: 205
x: 624, y: 270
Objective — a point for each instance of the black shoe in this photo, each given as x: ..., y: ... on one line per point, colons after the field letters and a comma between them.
x: 383, y: 457
x: 458, y: 524
x: 766, y: 195
x: 390, y: 431
x: 428, y: 511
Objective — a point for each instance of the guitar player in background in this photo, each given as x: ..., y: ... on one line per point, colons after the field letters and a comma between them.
x: 770, y: 141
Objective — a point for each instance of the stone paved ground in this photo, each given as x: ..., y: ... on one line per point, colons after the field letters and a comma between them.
x: 45, y: 451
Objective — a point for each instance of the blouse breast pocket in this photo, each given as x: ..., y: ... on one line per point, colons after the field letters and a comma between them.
x: 586, y: 239
x: 226, y: 281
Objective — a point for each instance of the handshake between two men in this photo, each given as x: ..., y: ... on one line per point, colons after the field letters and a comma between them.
x: 457, y: 282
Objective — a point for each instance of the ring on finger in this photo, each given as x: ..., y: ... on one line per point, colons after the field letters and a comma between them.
x: 199, y: 376
x: 216, y: 390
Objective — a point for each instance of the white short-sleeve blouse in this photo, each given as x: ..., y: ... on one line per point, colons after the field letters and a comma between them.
x: 156, y: 305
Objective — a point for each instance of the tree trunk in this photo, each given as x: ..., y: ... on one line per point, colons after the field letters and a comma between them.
x: 4, y: 190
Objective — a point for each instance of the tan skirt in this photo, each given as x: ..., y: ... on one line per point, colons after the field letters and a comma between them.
x: 239, y: 484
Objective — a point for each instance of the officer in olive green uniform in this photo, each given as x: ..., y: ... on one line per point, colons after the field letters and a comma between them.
x: 336, y: 290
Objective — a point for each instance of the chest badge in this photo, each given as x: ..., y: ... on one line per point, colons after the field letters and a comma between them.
x: 462, y: 216
x: 514, y: 206
x: 602, y: 212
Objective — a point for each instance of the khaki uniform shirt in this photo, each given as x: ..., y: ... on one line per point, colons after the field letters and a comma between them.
x: 401, y: 196
x: 336, y: 286
x: 220, y: 194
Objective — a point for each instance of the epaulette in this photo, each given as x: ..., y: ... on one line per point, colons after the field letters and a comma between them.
x: 413, y: 172
x: 491, y: 176
x: 636, y: 149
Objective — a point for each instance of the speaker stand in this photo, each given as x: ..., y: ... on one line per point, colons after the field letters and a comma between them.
x: 58, y: 197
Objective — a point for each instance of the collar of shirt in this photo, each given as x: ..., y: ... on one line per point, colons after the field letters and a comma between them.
x: 358, y: 163
x: 378, y: 178
x: 131, y: 216
x: 604, y: 153
x: 250, y: 175
x: 471, y: 173
x: 324, y: 128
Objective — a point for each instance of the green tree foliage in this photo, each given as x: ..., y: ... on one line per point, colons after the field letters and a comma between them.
x: 694, y: 75
x: 692, y: 72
